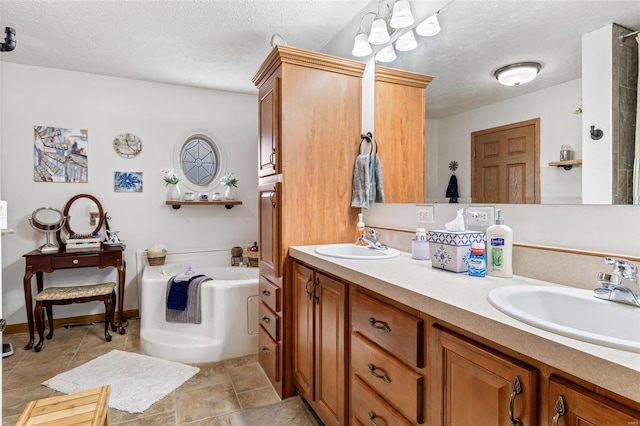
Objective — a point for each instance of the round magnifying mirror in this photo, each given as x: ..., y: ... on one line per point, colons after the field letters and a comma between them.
x: 47, y: 220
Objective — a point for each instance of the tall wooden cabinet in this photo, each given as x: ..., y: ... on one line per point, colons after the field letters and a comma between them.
x: 310, y: 125
x: 320, y: 342
x: 400, y: 132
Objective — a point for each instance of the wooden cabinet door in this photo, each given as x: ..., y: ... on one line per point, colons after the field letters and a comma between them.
x: 303, y: 330
x: 478, y: 386
x: 270, y: 250
x: 269, y: 104
x: 571, y: 405
x: 331, y: 358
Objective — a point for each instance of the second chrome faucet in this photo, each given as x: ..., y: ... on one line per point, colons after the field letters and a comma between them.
x: 613, y: 287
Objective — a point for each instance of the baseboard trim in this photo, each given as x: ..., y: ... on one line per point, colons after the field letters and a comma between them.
x: 61, y: 322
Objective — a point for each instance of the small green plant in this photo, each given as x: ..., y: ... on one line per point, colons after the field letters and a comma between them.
x: 170, y: 178
x: 229, y: 180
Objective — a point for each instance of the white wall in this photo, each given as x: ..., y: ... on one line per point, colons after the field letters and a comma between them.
x: 597, y: 77
x: 558, y: 126
x: 161, y: 116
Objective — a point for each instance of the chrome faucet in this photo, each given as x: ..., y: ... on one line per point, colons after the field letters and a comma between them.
x: 612, y: 285
x: 371, y: 239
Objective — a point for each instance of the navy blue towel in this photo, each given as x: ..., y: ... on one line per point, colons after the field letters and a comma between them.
x: 178, y: 294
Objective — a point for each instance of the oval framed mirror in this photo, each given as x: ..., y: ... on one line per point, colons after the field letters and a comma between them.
x: 85, y: 217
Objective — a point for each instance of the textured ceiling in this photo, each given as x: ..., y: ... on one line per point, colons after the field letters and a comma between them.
x: 220, y: 44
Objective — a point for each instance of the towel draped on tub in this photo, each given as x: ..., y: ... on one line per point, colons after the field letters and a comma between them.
x: 183, y: 300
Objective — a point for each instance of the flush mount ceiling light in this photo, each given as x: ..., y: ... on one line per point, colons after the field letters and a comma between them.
x: 429, y: 27
x: 517, y: 74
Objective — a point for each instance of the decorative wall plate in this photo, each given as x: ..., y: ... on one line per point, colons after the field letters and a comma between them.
x: 127, y: 145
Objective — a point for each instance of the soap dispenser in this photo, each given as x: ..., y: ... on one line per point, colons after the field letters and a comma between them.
x: 360, y: 232
x: 499, y: 248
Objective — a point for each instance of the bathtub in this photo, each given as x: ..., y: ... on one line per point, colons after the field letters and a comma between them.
x: 229, y: 325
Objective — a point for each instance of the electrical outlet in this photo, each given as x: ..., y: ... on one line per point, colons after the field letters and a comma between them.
x: 424, y: 214
x: 480, y: 216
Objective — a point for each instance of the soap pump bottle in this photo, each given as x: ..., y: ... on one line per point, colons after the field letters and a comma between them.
x: 360, y: 232
x: 499, y: 248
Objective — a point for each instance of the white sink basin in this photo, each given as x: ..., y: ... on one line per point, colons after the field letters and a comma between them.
x: 573, y: 313
x: 352, y: 251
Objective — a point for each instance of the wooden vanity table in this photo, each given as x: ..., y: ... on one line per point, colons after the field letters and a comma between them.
x: 37, y: 263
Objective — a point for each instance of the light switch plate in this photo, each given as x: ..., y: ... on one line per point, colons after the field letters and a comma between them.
x: 424, y: 213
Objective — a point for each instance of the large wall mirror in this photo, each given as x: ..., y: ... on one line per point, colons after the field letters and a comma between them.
x: 476, y: 39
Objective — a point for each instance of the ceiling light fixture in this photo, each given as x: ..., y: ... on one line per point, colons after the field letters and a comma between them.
x: 401, y: 16
x: 274, y: 40
x: 388, y: 54
x: 517, y: 74
x: 406, y: 42
x: 430, y: 26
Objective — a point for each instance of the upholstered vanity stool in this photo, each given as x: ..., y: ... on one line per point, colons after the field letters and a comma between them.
x: 78, y: 294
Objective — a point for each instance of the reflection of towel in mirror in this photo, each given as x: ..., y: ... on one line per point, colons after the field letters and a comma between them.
x: 361, y: 179
x: 183, y: 300
x: 452, y: 189
x: 376, y: 187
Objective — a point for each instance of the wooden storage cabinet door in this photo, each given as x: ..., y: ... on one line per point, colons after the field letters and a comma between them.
x: 396, y: 331
x: 269, y: 106
x: 477, y: 385
x: 303, y: 330
x: 390, y: 378
x: 571, y: 405
x: 270, y: 321
x: 270, y: 249
x: 270, y: 294
x: 368, y: 407
x: 331, y: 365
x: 269, y: 356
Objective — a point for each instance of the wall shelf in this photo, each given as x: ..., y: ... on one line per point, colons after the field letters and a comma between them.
x: 567, y: 164
x: 228, y: 204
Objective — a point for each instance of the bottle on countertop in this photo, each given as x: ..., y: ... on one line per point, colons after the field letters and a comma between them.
x: 499, y: 248
x: 360, y: 232
x: 477, y: 260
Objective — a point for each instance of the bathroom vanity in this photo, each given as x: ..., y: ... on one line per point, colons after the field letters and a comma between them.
x: 399, y: 342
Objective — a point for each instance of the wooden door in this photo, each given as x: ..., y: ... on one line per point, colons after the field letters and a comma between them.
x: 331, y: 358
x: 269, y: 215
x: 478, y: 385
x: 303, y: 330
x: 269, y: 113
x: 571, y: 405
x: 505, y: 164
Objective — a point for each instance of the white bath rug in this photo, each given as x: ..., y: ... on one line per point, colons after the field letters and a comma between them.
x: 137, y: 381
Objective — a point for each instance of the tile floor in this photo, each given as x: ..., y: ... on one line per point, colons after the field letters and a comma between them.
x: 208, y: 398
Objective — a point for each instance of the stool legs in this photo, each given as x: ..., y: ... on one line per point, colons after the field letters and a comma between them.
x: 50, y: 316
x: 38, y: 314
x: 109, y: 307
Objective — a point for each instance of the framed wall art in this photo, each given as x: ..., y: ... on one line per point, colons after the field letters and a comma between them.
x: 60, y: 155
x: 127, y: 181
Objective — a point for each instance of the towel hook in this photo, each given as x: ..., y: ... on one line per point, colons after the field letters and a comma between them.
x: 596, y: 134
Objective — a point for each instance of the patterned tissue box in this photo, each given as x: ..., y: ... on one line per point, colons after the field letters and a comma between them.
x: 450, y: 249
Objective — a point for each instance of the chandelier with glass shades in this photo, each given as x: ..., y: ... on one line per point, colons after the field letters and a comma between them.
x: 385, y: 23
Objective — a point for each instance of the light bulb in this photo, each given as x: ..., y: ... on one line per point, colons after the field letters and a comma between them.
x: 388, y: 54
x: 429, y: 27
x: 361, y: 46
x: 379, y: 33
x: 406, y: 42
x: 401, y: 16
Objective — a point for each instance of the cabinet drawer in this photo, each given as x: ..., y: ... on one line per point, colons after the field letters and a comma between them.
x: 75, y: 261
x: 269, y: 356
x: 389, y: 377
x: 368, y: 407
x: 270, y: 294
x: 270, y: 321
x: 398, y: 332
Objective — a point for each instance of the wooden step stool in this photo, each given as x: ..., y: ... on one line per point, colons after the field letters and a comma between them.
x: 83, y: 408
x: 77, y: 294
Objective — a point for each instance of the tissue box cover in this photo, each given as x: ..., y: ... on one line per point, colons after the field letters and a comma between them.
x: 450, y: 249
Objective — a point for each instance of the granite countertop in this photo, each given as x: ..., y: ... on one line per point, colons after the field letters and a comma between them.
x: 461, y: 300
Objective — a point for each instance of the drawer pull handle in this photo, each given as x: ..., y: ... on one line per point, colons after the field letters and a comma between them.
x: 272, y: 198
x: 272, y: 158
x: 372, y: 417
x: 559, y: 409
x: 306, y: 286
x: 372, y: 370
x: 379, y: 325
x: 266, y: 293
x: 516, y: 389
x: 75, y: 261
x: 265, y: 351
x: 266, y: 320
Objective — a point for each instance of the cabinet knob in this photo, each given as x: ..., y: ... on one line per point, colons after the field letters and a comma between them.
x: 266, y: 320
x: 559, y: 409
x: 266, y: 293
x: 373, y: 417
x: 272, y: 198
x: 75, y: 261
x: 265, y: 351
x: 516, y: 389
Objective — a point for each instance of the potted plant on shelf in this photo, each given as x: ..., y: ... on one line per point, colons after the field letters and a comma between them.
x: 171, y: 180
x: 231, y: 182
